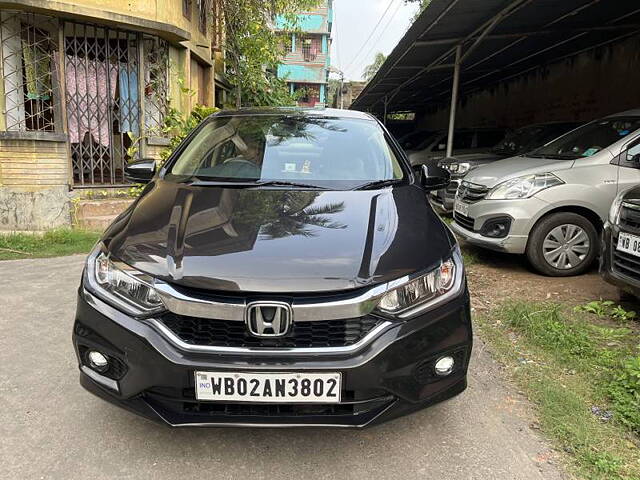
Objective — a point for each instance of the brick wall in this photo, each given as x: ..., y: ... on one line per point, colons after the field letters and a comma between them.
x: 34, y: 177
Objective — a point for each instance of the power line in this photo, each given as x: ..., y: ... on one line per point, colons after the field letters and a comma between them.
x: 384, y: 30
x: 371, y: 35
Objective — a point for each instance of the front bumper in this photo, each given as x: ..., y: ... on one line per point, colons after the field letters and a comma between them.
x: 626, y: 274
x: 523, y: 214
x: 388, y: 377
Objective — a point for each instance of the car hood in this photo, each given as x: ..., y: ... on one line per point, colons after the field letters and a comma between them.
x: 497, y: 172
x: 278, y: 241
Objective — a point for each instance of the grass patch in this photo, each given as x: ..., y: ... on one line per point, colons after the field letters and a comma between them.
x: 54, y: 243
x: 570, y: 364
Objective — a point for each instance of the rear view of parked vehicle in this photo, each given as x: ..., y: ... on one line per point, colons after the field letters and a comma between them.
x: 518, y: 142
x: 552, y: 203
x: 468, y: 140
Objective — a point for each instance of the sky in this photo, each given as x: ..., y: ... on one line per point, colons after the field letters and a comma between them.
x: 353, y: 23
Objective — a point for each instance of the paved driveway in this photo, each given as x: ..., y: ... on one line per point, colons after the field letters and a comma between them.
x: 51, y: 428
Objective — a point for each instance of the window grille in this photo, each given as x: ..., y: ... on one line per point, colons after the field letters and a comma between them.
x: 102, y: 100
x: 204, y: 7
x: 28, y: 47
x: 156, y: 89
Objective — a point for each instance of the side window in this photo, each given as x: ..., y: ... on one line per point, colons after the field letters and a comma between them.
x: 489, y: 139
x: 463, y: 140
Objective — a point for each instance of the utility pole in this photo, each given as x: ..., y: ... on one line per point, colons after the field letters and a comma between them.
x: 341, y: 90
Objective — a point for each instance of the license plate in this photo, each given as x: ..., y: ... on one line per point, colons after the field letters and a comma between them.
x: 629, y: 244
x: 461, y: 208
x: 269, y: 387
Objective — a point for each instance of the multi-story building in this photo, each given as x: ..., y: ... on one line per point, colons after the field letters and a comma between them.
x: 305, y: 66
x: 85, y: 86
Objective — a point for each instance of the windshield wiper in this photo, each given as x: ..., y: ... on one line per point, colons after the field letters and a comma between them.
x: 378, y: 184
x: 281, y: 183
x: 230, y: 184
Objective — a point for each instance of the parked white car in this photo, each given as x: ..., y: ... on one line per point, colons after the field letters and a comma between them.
x: 552, y: 203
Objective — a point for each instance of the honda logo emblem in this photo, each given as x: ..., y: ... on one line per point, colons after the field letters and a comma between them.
x: 269, y: 319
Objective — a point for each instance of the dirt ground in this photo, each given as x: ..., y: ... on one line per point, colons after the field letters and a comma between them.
x: 496, y: 277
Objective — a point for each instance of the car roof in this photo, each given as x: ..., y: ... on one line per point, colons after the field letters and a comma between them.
x: 309, y: 111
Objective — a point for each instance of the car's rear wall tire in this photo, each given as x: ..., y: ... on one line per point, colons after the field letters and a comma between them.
x: 547, y: 231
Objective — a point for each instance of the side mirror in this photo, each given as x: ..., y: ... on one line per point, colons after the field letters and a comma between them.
x: 633, y: 158
x: 432, y: 178
x: 141, y: 171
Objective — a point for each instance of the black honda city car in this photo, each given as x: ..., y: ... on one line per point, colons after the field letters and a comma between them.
x: 282, y: 268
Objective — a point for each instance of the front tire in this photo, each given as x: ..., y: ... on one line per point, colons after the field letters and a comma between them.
x: 562, y: 245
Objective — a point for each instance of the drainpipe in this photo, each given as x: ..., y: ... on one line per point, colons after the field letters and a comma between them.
x: 454, y: 100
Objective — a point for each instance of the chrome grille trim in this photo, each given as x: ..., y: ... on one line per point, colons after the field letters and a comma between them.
x: 175, y: 340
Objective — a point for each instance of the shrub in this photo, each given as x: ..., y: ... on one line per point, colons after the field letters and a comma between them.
x: 625, y: 393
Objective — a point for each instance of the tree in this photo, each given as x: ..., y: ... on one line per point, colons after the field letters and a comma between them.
x: 254, y: 48
x: 423, y: 4
x: 371, y: 70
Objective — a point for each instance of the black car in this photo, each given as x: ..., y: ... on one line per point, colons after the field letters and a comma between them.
x: 282, y: 268
x: 620, y: 256
x: 517, y: 142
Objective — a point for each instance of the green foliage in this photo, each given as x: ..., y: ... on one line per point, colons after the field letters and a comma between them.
x: 625, y: 393
x: 177, y: 126
x: 607, y: 308
x: 573, y: 367
x: 254, y: 50
x: 63, y: 241
x: 371, y: 70
x: 423, y: 4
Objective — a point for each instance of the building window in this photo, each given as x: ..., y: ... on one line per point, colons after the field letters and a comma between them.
x: 186, y: 9
x: 156, y: 84
x: 204, y: 6
x: 311, y: 48
x: 28, y: 48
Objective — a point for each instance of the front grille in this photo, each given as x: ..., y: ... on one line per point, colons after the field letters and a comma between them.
x: 185, y: 408
x: 630, y: 218
x: 465, y: 222
x: 625, y: 263
x: 472, y: 193
x: 223, y: 333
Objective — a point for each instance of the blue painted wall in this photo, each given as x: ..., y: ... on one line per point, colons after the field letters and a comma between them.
x: 301, y: 73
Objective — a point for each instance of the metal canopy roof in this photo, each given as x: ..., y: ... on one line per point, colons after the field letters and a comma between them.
x: 498, y: 39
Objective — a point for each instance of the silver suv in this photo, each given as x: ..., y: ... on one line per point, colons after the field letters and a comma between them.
x: 551, y: 204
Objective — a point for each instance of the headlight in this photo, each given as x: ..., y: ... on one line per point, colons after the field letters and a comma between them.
x: 463, y: 168
x: 422, y: 291
x: 523, y: 187
x: 614, y: 211
x: 120, y: 285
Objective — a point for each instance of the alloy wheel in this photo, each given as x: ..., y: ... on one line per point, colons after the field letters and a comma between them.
x: 566, y: 246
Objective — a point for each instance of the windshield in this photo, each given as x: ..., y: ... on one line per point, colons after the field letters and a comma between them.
x: 298, y: 149
x: 432, y: 137
x: 527, y: 138
x: 588, y: 140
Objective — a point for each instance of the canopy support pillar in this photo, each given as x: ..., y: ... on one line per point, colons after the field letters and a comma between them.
x: 454, y: 100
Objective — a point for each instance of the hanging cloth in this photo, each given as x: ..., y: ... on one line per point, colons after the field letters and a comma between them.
x: 91, y: 89
x: 37, y: 69
x: 129, y: 101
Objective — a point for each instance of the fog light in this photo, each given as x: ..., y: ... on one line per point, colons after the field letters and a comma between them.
x: 97, y: 361
x: 444, y: 366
